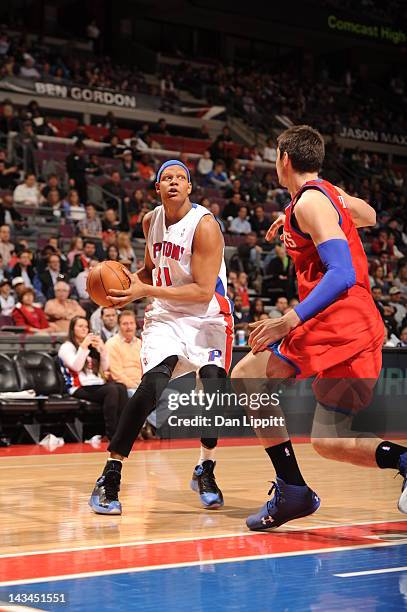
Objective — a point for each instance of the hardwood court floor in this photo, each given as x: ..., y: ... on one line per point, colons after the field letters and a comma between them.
x: 44, y: 497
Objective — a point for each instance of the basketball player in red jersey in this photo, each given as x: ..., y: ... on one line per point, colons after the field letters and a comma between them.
x: 335, y: 333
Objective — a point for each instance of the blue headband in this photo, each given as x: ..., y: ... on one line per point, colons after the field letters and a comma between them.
x: 173, y: 162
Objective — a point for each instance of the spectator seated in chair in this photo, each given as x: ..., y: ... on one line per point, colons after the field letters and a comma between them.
x: 6, y: 246
x: 82, y: 260
x: 7, y: 301
x: 104, y: 322
x: 124, y: 353
x: 31, y: 317
x: 28, y: 193
x: 81, y: 280
x: 125, y: 367
x: 51, y: 276
x: 24, y: 268
x: 61, y: 309
x: 240, y: 224
x: 74, y: 210
x: 85, y: 365
x: 91, y: 226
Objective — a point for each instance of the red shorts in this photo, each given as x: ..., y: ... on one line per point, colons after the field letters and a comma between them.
x: 344, y: 341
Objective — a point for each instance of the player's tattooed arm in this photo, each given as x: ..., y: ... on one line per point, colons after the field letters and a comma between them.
x: 363, y: 215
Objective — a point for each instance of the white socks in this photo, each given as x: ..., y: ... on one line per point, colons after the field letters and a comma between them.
x: 206, y: 454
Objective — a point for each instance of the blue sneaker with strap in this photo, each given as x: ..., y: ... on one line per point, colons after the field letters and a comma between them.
x: 402, y: 505
x: 105, y: 495
x: 204, y: 482
x: 289, y: 502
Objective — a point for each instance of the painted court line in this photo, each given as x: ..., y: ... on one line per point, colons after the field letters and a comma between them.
x: 7, y: 607
x: 126, y: 544
x: 132, y: 570
x: 17, y: 608
x: 236, y: 534
x: 353, y: 524
x: 386, y: 570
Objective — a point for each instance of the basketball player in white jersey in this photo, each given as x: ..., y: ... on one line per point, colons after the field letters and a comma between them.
x: 189, y: 327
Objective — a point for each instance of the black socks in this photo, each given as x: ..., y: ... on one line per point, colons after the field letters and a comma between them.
x: 388, y: 455
x: 284, y: 461
x: 113, y: 465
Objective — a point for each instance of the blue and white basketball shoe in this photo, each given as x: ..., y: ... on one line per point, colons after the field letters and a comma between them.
x: 105, y: 495
x: 204, y: 482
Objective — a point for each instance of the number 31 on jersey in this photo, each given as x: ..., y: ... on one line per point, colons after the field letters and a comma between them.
x: 163, y: 272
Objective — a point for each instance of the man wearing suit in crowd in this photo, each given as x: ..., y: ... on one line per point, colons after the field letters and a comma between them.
x: 51, y: 275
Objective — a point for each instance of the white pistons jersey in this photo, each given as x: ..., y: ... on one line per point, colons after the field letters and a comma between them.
x: 199, y: 334
x: 171, y: 252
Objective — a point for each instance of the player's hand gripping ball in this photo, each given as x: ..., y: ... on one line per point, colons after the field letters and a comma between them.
x: 105, y: 276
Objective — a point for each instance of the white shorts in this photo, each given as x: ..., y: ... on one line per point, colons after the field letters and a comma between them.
x: 196, y: 341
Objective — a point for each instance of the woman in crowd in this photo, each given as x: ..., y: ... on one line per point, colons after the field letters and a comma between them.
x: 75, y: 248
x: 401, y: 280
x: 85, y: 364
x: 241, y: 288
x: 112, y: 253
x: 126, y: 251
x: 138, y: 226
x: 135, y: 205
x: 73, y: 208
x: 31, y: 317
x: 256, y: 310
x: 378, y: 278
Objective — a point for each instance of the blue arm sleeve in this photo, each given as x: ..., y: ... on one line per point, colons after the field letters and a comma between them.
x: 339, y: 276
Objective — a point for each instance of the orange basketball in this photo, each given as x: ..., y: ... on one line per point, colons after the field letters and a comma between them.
x: 103, y: 277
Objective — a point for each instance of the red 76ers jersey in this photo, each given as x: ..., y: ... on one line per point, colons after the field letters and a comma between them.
x: 308, y: 265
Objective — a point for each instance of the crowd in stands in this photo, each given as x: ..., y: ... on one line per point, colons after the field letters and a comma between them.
x: 250, y: 91
x: 43, y: 289
x: 20, y: 57
x: 257, y: 95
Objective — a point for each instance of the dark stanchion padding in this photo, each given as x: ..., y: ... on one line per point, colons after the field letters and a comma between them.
x: 38, y: 370
x: 10, y: 382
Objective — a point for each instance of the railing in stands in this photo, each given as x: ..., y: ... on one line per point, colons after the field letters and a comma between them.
x: 16, y: 342
x: 161, y: 153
